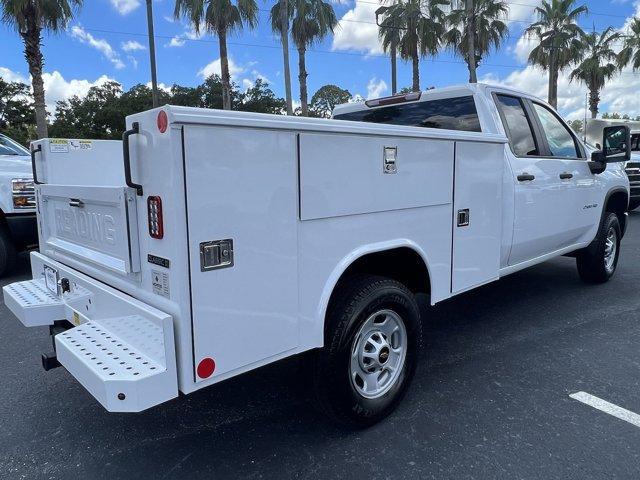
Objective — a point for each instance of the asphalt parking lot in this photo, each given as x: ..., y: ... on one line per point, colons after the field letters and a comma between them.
x: 490, y: 400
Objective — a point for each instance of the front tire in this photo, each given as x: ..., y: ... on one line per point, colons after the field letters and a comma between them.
x: 597, y: 263
x: 7, y: 252
x: 372, y: 338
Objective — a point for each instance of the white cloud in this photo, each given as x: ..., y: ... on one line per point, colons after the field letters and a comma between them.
x: 177, y: 41
x: 125, y: 6
x: 354, y: 35
x: 376, y: 88
x: 214, y: 68
x: 521, y: 13
x: 189, y: 34
x: 132, y: 46
x: 99, y: 44
x: 56, y: 88
x: 161, y: 86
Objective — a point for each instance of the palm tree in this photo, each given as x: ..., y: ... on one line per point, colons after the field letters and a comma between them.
x: 391, y: 37
x: 280, y: 25
x: 220, y: 17
x: 416, y: 28
x: 599, y: 64
x: 483, y: 17
x: 631, y: 51
x: 30, y: 18
x: 560, y: 39
x: 312, y: 20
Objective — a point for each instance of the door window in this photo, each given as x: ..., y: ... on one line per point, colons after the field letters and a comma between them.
x: 517, y: 125
x: 561, y: 142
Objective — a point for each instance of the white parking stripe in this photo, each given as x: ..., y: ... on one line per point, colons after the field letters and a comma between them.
x: 606, y: 407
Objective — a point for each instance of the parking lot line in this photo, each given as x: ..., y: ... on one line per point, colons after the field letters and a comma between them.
x: 607, y: 407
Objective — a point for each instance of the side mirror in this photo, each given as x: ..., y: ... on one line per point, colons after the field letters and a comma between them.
x: 617, y: 148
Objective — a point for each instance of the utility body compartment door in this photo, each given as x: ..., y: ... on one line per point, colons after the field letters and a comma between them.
x: 241, y: 185
x: 477, y: 214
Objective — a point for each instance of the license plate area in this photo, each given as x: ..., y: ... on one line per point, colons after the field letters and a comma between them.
x: 92, y: 224
x: 51, y: 279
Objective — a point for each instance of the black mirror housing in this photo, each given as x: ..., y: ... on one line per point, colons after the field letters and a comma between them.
x: 616, y: 143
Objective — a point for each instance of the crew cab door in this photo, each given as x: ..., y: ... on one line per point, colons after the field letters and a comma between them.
x: 549, y: 180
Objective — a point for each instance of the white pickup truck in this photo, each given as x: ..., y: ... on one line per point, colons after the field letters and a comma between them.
x: 222, y: 241
x: 18, y: 230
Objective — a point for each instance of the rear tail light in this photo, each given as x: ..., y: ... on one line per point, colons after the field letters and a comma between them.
x: 154, y: 212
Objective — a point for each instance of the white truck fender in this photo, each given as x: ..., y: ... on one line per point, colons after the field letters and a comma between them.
x: 347, y: 261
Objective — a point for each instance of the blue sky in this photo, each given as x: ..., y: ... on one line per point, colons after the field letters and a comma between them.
x: 107, y: 40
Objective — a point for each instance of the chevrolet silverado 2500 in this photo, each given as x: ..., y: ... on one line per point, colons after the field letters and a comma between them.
x: 220, y: 241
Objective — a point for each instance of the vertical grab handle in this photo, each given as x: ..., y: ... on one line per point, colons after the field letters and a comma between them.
x: 33, y: 164
x: 135, y: 129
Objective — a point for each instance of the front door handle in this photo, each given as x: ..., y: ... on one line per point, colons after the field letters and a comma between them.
x: 526, y: 177
x: 566, y: 176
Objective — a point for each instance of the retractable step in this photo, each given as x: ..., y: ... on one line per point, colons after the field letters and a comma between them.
x: 126, y: 363
x: 33, y: 303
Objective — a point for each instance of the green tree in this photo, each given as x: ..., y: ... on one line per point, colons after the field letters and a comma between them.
x: 30, y: 18
x: 599, y: 63
x: 475, y: 27
x: 630, y: 54
x: 390, y: 46
x: 311, y: 21
x: 261, y: 99
x: 17, y: 118
x: 421, y: 25
x: 560, y: 39
x: 186, y: 96
x: 576, y: 125
x: 326, y: 98
x: 220, y: 17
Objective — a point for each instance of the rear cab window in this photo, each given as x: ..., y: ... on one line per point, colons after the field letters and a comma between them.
x: 456, y: 113
x: 517, y: 126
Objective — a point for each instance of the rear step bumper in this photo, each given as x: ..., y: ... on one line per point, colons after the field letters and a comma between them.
x: 122, y: 350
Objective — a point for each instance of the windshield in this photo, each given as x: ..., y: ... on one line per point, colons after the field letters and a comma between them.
x: 635, y: 142
x: 9, y: 147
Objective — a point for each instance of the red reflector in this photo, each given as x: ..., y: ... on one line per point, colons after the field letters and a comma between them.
x: 206, y: 367
x: 154, y: 214
x: 163, y: 121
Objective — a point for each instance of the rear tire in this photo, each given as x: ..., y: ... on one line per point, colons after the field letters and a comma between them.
x: 7, y: 253
x: 597, y: 263
x: 372, y: 338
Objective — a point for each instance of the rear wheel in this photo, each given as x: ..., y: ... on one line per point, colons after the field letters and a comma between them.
x: 372, y: 338
x: 597, y: 263
x: 7, y: 252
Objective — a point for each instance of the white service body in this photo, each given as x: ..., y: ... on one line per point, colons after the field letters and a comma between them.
x: 301, y: 200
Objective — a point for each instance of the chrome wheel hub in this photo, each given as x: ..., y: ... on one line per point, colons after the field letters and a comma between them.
x: 378, y: 354
x: 610, y: 249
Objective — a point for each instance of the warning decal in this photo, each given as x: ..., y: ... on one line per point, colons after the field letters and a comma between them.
x: 160, y: 281
x: 59, y: 145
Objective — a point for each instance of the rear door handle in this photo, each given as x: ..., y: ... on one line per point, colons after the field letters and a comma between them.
x: 526, y: 177
x: 566, y: 176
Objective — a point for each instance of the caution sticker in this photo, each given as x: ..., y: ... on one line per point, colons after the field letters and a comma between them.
x: 160, y: 281
x: 80, y: 145
x: 59, y: 145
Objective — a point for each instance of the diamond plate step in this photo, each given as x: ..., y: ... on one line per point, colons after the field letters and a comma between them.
x: 33, y: 303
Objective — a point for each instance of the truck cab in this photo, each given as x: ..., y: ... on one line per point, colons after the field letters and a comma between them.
x: 18, y: 230
x: 553, y: 195
x: 633, y: 170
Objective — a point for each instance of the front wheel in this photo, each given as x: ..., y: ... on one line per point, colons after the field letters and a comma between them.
x: 597, y: 263
x: 372, y: 338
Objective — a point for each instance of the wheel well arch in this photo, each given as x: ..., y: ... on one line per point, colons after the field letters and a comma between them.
x: 617, y: 201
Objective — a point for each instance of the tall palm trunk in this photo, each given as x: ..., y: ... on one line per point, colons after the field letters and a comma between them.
x: 394, y: 69
x: 415, y: 61
x: 32, y: 40
x: 224, y: 70
x: 553, y: 79
x: 284, y: 36
x: 594, y: 101
x: 302, y: 78
x: 471, y: 42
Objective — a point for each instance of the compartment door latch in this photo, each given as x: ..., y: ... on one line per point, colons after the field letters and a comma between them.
x: 463, y: 218
x: 216, y: 254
